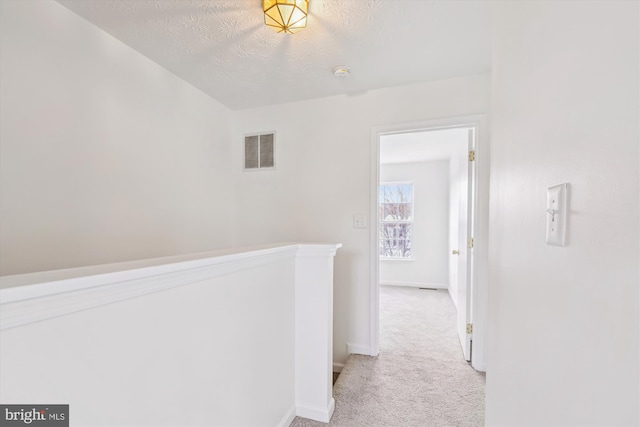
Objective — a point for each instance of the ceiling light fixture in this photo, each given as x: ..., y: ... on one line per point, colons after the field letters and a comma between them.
x: 285, y: 16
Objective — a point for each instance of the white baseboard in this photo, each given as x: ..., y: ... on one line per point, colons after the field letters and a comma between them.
x: 288, y: 418
x: 317, y: 414
x: 358, y: 349
x: 479, y: 365
x: 337, y: 367
x: 417, y: 285
x: 454, y: 299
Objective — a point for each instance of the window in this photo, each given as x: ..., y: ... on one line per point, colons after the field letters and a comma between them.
x: 396, y: 220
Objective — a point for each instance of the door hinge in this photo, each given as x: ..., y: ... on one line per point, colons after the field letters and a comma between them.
x: 469, y: 328
x: 470, y: 243
x: 472, y: 156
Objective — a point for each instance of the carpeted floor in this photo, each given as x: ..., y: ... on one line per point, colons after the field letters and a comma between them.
x: 420, y: 377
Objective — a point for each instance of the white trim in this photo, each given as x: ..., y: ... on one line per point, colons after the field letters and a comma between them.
x: 58, y: 293
x: 337, y: 367
x: 359, y: 349
x: 454, y: 300
x: 374, y: 247
x: 481, y: 248
x: 32, y: 303
x: 399, y: 183
x: 417, y: 285
x: 318, y: 414
x: 479, y: 298
x: 391, y: 259
x: 105, y: 273
x: 288, y: 418
x: 318, y: 249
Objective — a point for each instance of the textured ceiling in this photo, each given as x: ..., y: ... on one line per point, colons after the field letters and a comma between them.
x: 223, y: 47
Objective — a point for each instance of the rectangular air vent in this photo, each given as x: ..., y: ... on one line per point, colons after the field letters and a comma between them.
x: 259, y: 151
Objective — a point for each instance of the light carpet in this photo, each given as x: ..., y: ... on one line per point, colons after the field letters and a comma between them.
x: 420, y: 377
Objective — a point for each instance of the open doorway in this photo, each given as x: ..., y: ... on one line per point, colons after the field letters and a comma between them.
x: 429, y: 217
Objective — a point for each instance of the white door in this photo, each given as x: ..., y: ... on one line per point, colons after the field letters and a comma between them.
x: 466, y: 210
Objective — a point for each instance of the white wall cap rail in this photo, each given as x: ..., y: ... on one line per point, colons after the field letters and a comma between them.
x: 171, y: 263
x: 318, y: 249
x: 29, y: 298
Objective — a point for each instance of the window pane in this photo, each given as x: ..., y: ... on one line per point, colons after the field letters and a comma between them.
x: 393, y: 194
x: 405, y: 211
x: 385, y: 194
x: 386, y: 237
x: 396, y: 193
x: 405, y: 241
x: 405, y: 193
x: 390, y: 212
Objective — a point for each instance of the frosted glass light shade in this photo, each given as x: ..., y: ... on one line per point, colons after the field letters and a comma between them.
x: 285, y: 16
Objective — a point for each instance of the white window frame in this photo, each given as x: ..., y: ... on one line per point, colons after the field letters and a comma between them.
x: 411, y: 221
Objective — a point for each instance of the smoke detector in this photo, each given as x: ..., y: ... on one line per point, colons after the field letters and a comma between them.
x: 341, y: 72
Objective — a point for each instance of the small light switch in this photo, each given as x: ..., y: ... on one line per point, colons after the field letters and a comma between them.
x: 359, y: 221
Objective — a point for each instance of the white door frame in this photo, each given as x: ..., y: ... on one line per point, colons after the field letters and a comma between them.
x: 480, y: 271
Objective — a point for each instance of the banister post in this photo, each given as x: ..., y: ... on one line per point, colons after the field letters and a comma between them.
x: 314, y: 331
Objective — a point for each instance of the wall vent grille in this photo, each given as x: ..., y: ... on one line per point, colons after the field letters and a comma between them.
x: 259, y: 151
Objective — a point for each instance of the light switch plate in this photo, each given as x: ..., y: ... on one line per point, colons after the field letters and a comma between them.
x: 359, y: 221
x: 557, y: 214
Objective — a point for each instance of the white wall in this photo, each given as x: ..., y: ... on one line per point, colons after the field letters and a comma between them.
x: 105, y: 156
x: 564, y: 321
x: 430, y: 248
x: 322, y: 178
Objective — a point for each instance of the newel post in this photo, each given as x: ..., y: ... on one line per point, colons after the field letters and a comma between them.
x: 314, y: 331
